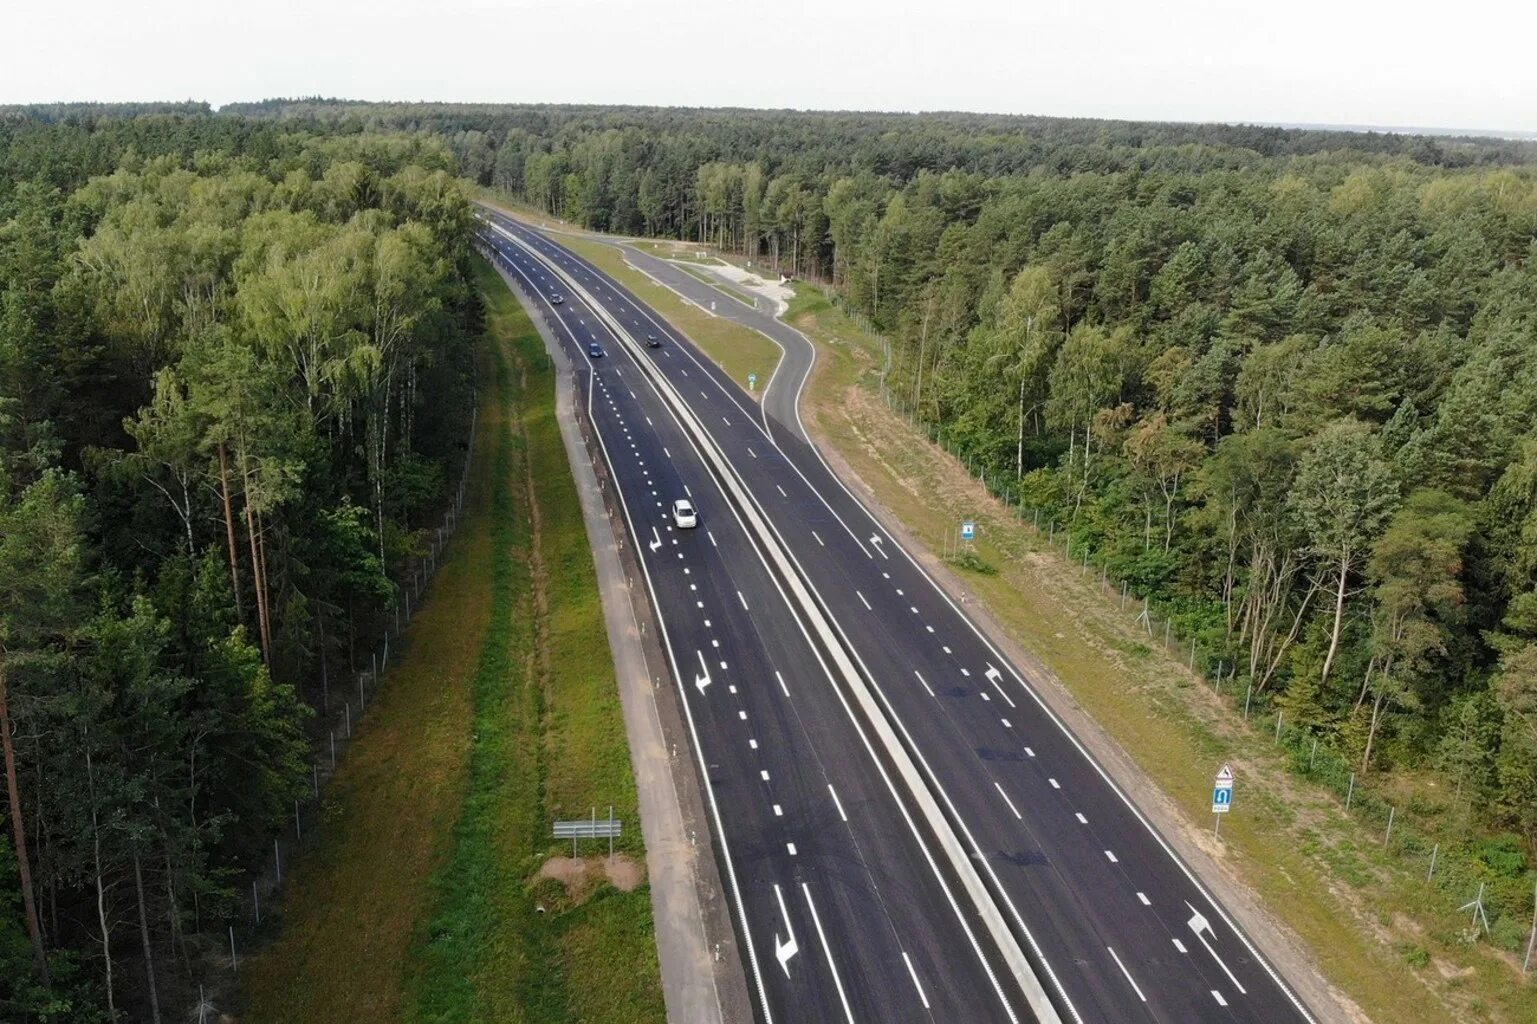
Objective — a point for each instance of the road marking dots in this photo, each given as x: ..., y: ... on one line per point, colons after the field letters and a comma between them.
x: 1145, y: 901
x: 1110, y: 855
x: 1081, y: 819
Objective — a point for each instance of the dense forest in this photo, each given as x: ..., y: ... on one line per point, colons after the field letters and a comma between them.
x: 1284, y: 382
x: 235, y: 378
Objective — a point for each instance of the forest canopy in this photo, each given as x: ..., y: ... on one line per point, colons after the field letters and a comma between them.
x: 235, y: 379
x: 1282, y: 382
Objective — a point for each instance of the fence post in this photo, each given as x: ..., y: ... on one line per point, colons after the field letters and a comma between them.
x: 1392, y: 811
x: 1433, y: 853
x: 1350, y: 791
x: 234, y: 961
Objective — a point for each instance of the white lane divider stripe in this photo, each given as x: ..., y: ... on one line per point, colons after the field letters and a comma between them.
x: 827, y: 952
x: 1218, y: 997
x: 923, y: 681
x: 914, y: 975
x: 1130, y: 980
x: 739, y: 597
x: 1008, y: 801
x: 863, y: 601
x: 836, y: 802
x: 782, y: 685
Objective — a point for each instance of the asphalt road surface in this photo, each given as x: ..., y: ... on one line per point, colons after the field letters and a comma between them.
x: 820, y: 838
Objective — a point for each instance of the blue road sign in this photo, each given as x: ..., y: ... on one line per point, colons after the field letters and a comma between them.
x: 1222, y: 792
x: 968, y: 531
x: 752, y: 381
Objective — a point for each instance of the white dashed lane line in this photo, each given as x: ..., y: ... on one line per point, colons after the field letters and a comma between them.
x: 1006, y: 800
x: 836, y: 802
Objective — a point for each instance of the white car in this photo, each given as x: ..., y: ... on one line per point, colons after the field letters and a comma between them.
x: 684, y: 515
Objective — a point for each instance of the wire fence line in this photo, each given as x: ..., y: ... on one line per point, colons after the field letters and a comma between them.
x: 343, y: 703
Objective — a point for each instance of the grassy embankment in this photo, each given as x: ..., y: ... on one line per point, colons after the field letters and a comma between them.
x: 1364, y: 915
x: 420, y: 902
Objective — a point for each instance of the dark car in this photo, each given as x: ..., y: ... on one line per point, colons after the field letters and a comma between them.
x: 652, y: 341
x: 594, y: 349
x: 557, y: 300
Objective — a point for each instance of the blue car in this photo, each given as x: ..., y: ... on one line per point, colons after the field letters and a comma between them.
x: 594, y: 349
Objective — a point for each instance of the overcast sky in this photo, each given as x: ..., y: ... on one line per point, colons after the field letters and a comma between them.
x: 1467, y: 64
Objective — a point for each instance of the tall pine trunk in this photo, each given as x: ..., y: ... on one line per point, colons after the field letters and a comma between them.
x: 149, y: 951
x: 229, y: 530
x: 19, y: 831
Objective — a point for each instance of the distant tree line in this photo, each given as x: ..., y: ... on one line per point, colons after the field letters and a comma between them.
x: 1285, y: 382
x: 234, y: 377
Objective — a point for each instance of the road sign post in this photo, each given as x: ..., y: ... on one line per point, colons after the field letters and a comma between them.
x: 1221, y: 798
x: 752, y: 382
x: 968, y: 531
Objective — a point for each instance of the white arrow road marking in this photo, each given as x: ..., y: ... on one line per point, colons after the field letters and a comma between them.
x: 655, y: 545
x: 1201, y: 926
x: 993, y: 675
x: 877, y: 542
x: 702, y: 681
x: 783, y: 951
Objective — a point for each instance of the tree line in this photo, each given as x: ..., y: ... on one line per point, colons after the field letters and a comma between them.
x: 1284, y: 382
x: 235, y: 375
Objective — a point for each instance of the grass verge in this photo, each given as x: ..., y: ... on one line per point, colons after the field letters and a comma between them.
x: 422, y: 902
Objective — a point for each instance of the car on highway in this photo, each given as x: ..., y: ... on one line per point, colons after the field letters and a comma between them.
x: 684, y: 515
x: 652, y: 341
x: 594, y: 349
x: 556, y: 300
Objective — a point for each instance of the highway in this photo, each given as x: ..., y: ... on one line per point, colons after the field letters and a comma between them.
x: 827, y: 871
x: 1115, y: 926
